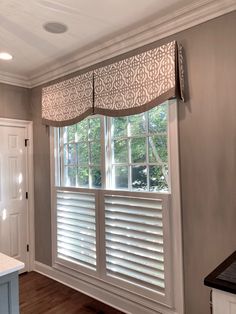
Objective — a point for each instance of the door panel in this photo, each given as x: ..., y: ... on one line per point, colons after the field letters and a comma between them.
x: 14, y: 235
x: 13, y: 203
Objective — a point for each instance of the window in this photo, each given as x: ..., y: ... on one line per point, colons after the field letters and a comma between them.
x: 113, y: 197
x: 139, y: 151
x: 81, y: 163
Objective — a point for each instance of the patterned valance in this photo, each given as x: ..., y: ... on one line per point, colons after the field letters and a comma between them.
x: 139, y: 83
x: 69, y: 101
x: 126, y: 87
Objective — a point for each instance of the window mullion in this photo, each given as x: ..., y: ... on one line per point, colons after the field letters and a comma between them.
x: 168, y: 148
x: 57, y: 168
x: 89, y: 166
x: 147, y: 150
x: 103, y: 150
x: 61, y: 155
x: 129, y: 157
x: 108, y: 154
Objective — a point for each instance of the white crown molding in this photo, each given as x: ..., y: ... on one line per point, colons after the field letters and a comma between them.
x: 187, y: 17
x: 14, y: 79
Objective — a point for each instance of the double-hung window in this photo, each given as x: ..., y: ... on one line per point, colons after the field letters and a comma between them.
x: 113, y: 203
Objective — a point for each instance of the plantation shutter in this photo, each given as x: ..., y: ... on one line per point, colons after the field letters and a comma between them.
x: 76, y: 227
x: 134, y: 240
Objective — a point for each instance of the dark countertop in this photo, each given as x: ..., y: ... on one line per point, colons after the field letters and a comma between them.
x: 224, y: 276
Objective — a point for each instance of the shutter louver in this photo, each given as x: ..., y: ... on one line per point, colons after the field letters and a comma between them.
x: 134, y: 240
x: 76, y: 227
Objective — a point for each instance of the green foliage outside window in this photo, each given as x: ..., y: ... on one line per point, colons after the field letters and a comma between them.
x: 139, y: 151
x: 82, y: 154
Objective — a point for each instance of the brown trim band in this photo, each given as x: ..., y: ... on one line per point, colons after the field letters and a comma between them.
x: 170, y: 94
x: 68, y: 122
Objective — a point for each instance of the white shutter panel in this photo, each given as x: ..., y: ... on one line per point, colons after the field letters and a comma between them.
x: 76, y: 227
x: 134, y: 240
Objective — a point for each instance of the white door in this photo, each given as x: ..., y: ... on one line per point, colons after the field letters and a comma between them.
x: 13, y: 202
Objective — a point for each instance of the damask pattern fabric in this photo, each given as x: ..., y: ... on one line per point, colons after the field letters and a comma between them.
x: 138, y: 83
x: 69, y: 101
x: 126, y: 87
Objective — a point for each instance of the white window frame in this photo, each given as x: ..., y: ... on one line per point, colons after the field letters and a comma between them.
x: 174, y: 300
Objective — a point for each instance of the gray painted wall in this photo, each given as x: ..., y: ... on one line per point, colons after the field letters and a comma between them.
x: 207, y: 132
x: 15, y: 102
x: 208, y: 154
x: 42, y: 194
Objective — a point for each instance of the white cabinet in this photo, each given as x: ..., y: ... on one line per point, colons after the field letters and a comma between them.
x: 223, y: 302
x: 9, y: 295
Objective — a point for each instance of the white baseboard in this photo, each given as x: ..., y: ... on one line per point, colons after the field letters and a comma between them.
x: 98, y: 293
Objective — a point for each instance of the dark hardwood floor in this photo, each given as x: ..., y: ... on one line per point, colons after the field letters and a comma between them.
x: 42, y: 295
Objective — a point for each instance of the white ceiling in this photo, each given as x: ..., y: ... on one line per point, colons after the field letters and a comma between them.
x: 90, y: 23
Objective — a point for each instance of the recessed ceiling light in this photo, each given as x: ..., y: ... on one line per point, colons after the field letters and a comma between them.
x: 55, y: 27
x: 5, y: 56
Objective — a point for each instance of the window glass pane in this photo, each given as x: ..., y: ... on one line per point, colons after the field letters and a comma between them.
x: 70, y: 154
x: 96, y: 177
x: 120, y: 152
x: 137, y: 124
x: 82, y: 130
x: 158, y: 178
x: 121, y: 177
x: 71, y: 130
x: 95, y: 152
x: 65, y: 154
x: 158, y: 119
x: 83, y: 176
x: 138, y: 150
x: 81, y: 144
x: 139, y: 177
x: 94, y: 128
x: 119, y: 126
x: 158, y: 151
x: 82, y: 149
x: 70, y: 174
